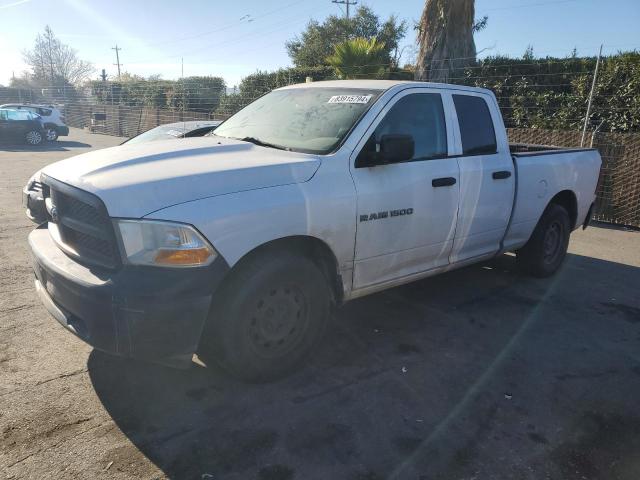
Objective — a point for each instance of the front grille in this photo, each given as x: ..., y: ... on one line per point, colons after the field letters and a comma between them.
x: 84, y: 226
x: 71, y: 207
x: 82, y: 241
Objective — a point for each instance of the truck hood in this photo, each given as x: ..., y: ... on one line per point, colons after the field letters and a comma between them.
x: 136, y: 180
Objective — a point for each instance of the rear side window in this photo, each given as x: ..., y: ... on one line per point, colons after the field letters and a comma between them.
x: 45, y: 112
x: 476, y: 125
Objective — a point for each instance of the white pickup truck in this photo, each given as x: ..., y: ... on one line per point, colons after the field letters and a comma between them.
x: 237, y: 245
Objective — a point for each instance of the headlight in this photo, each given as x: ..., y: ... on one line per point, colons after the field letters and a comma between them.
x: 163, y: 244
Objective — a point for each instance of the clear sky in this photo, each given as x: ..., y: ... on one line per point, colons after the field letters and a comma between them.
x: 234, y: 38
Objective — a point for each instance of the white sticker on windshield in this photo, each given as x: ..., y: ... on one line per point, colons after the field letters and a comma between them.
x: 350, y: 99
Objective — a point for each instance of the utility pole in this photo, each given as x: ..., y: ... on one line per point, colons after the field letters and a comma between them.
x: 117, y: 58
x: 593, y: 87
x: 345, y: 2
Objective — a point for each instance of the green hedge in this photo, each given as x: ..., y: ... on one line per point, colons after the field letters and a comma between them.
x: 546, y: 93
x: 552, y: 93
x: 259, y: 83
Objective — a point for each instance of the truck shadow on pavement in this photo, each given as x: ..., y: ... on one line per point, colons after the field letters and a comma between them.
x: 478, y: 372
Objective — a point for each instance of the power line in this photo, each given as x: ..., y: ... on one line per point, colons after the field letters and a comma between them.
x: 345, y: 2
x: 117, y: 58
x: 243, y: 19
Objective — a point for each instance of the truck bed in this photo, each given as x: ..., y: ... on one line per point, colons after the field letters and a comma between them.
x: 542, y: 171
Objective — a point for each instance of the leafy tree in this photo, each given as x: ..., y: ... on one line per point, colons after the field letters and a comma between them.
x: 318, y: 40
x: 358, y: 58
x: 445, y: 35
x: 53, y: 63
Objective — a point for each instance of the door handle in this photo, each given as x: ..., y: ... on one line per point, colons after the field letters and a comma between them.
x: 501, y: 175
x: 443, y: 182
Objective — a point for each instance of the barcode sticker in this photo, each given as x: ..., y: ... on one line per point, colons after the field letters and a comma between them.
x: 350, y: 99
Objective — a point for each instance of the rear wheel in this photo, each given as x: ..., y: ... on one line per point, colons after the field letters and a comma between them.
x: 51, y: 134
x: 267, y: 316
x: 547, y: 248
x: 33, y: 137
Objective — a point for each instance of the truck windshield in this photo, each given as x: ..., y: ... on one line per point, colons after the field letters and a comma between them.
x: 309, y: 120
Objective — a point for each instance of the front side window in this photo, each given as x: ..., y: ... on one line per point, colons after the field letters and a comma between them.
x: 310, y: 120
x: 420, y: 115
x: 476, y: 125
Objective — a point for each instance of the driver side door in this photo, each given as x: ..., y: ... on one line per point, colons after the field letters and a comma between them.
x: 407, y: 211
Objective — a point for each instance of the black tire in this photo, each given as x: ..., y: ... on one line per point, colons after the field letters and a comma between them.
x: 267, y: 316
x: 545, y: 251
x: 51, y: 134
x: 33, y: 137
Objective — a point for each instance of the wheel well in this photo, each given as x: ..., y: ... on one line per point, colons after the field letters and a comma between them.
x: 567, y: 199
x: 314, y: 249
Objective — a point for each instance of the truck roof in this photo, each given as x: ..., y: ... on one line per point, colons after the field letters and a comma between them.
x: 382, y: 85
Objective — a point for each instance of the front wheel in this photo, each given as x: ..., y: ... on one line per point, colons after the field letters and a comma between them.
x: 33, y: 137
x: 545, y: 251
x: 267, y: 316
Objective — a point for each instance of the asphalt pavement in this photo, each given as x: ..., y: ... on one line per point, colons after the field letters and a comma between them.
x: 480, y: 373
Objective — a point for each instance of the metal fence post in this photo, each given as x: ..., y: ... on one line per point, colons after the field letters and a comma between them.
x: 593, y: 87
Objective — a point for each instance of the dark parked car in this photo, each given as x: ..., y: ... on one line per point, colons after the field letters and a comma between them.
x: 21, y: 126
x: 52, y: 118
x: 168, y: 131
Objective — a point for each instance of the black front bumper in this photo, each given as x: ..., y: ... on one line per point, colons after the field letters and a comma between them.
x: 62, y: 130
x: 150, y: 313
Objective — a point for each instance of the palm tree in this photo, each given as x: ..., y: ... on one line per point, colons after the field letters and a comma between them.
x: 446, y: 39
x: 359, y: 58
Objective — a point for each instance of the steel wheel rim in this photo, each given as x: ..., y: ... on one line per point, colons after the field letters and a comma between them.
x: 552, y: 243
x: 34, y: 138
x: 278, y: 321
x: 51, y: 134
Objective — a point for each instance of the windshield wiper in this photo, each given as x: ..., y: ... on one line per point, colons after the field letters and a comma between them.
x: 257, y: 141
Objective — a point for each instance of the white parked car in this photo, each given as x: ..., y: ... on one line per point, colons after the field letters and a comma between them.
x: 237, y: 245
x: 52, y: 117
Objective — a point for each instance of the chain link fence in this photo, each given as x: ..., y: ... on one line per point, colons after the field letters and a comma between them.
x: 124, y: 121
x: 618, y: 196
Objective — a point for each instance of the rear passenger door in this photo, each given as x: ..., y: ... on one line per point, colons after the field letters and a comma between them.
x: 487, y: 180
x: 406, y: 210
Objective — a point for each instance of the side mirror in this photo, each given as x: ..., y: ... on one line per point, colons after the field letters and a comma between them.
x: 392, y: 148
x: 396, y: 148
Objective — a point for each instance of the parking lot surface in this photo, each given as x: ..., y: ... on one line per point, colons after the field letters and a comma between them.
x: 481, y: 373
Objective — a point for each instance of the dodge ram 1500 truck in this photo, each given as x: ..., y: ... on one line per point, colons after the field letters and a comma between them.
x: 237, y: 245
